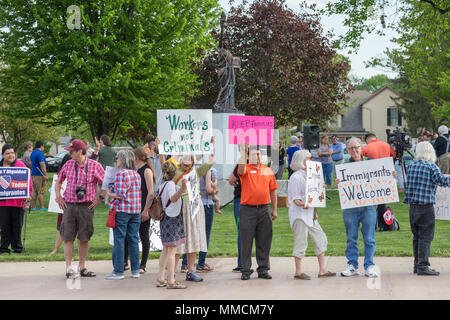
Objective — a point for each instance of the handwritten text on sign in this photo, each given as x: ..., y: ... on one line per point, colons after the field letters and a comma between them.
x: 14, y: 183
x: 185, y: 131
x: 366, y: 183
x: 251, y: 129
x: 442, y: 205
x: 315, y: 191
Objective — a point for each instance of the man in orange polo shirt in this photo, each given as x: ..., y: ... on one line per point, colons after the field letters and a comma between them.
x: 376, y: 149
x: 259, y: 187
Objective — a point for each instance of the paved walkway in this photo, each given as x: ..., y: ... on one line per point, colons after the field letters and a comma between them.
x: 46, y: 280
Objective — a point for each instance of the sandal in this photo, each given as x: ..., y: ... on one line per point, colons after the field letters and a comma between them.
x: 161, y: 284
x: 327, y: 274
x: 176, y: 285
x: 302, y: 276
x: 142, y: 270
x: 126, y: 267
x: 85, y: 273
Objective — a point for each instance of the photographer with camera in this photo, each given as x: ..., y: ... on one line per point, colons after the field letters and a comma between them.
x: 79, y: 201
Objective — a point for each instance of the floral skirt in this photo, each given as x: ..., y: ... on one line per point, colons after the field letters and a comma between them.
x: 194, y: 230
x: 172, y: 230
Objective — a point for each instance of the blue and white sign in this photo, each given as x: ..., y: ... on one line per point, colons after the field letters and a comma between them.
x: 14, y: 183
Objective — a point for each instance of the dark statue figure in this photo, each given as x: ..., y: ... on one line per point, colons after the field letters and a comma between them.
x: 225, y: 98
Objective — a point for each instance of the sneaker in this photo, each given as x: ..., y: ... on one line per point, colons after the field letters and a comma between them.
x: 370, y: 272
x: 350, y: 271
x: 135, y: 274
x: 192, y: 276
x: 114, y: 276
x: 183, y: 268
x: 205, y: 268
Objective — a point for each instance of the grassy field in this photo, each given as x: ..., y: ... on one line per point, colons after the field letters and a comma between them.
x: 41, y: 233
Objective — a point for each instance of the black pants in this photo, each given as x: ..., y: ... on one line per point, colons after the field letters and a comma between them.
x: 421, y: 218
x: 255, y: 222
x: 144, y: 235
x: 11, y: 220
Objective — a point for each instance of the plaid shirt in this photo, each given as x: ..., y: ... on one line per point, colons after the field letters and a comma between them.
x: 128, y: 188
x: 423, y: 177
x: 95, y: 174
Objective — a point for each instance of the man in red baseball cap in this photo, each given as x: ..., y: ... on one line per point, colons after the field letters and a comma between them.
x: 426, y: 135
x: 78, y: 202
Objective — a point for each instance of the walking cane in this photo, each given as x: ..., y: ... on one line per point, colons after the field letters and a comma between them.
x: 25, y: 226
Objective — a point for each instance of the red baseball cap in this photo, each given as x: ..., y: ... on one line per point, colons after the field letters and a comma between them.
x: 426, y: 133
x: 76, y: 145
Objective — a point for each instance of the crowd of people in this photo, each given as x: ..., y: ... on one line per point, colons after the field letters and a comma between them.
x: 144, y: 174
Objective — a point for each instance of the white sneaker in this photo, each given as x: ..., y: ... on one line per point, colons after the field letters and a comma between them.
x: 114, y: 276
x: 370, y: 272
x: 135, y: 274
x: 350, y: 271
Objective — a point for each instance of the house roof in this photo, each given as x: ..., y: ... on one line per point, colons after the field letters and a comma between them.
x: 377, y: 93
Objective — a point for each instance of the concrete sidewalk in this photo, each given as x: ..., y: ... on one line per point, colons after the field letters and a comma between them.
x: 46, y: 280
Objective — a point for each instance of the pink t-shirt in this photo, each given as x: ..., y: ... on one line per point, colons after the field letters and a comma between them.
x: 17, y: 202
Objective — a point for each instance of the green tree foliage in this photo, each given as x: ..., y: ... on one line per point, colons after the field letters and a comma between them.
x: 423, y: 54
x: 126, y: 59
x: 288, y: 67
x: 372, y: 84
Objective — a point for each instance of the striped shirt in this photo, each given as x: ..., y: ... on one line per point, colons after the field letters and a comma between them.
x: 423, y: 177
x: 94, y: 175
x: 128, y: 188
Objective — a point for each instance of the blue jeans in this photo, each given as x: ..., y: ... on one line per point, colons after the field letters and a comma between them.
x: 367, y: 216
x: 209, y: 216
x: 127, y: 226
x: 237, y: 208
x: 327, y: 169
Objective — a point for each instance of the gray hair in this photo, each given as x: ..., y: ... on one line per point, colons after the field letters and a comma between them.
x: 127, y: 159
x: 298, y: 159
x: 443, y: 130
x: 425, y: 152
x: 294, y: 139
x: 353, y: 139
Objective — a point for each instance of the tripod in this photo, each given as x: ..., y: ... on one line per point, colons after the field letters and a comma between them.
x: 399, y: 156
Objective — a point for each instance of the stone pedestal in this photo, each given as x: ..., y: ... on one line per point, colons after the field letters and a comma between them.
x: 226, y: 154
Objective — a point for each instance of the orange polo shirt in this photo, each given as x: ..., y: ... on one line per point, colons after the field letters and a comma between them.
x: 377, y: 149
x: 256, y: 184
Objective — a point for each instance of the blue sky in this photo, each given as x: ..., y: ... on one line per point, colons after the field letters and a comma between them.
x: 371, y: 46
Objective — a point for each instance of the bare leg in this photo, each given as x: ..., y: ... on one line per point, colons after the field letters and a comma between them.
x: 321, y: 259
x: 191, y: 261
x: 298, y: 266
x: 83, y: 247
x: 162, y: 264
x: 58, y: 242
x: 171, y: 264
x: 41, y: 201
x: 68, y: 252
x: 177, y: 258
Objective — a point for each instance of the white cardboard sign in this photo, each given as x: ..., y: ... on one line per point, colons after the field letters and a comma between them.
x: 442, y: 205
x: 53, y: 206
x: 184, y: 131
x: 366, y: 183
x: 315, y: 191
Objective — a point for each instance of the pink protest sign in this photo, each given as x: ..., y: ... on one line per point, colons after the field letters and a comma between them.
x: 251, y: 129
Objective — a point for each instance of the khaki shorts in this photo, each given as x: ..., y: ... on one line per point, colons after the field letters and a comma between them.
x: 78, y: 219
x: 301, y: 231
x: 38, y: 186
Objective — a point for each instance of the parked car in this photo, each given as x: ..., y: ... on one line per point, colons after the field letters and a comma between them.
x: 54, y: 162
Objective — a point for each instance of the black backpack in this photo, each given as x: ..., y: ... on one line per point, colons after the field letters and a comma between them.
x: 383, y: 219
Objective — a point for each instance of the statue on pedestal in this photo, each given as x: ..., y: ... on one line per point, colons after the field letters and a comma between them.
x: 225, y: 98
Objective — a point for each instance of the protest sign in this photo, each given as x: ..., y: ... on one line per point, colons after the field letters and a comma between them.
x: 193, y: 193
x: 14, y: 183
x: 184, y: 131
x: 154, y: 236
x: 315, y: 191
x: 110, y: 177
x: 442, y: 205
x: 53, y: 205
x: 251, y: 129
x: 366, y: 183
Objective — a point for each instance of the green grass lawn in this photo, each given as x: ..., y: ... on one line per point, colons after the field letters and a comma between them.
x: 41, y: 233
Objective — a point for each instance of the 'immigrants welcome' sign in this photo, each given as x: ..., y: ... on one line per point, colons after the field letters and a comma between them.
x: 366, y: 183
x: 184, y: 131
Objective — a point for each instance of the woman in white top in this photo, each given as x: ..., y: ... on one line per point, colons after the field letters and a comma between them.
x: 171, y: 227
x: 302, y: 219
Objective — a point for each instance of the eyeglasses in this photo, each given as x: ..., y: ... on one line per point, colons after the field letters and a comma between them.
x: 350, y: 148
x: 300, y: 137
